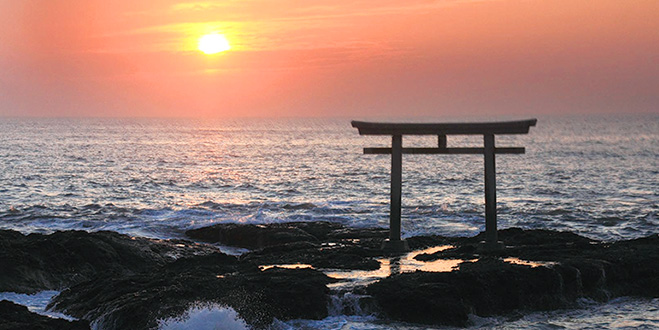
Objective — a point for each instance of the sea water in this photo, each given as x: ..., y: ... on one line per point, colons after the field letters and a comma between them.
x: 595, y: 175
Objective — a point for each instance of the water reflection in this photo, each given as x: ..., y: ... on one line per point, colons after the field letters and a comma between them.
x: 287, y: 266
x: 530, y: 263
x: 398, y: 265
x: 393, y: 266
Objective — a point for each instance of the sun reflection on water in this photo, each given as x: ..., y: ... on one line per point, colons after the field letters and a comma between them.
x: 287, y: 266
x: 532, y: 264
x: 398, y: 265
x: 394, y: 265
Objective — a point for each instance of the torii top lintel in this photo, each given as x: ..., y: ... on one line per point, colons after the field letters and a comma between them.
x: 504, y: 127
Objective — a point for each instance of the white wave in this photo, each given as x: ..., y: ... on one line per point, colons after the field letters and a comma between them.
x: 209, y: 317
x: 35, y: 303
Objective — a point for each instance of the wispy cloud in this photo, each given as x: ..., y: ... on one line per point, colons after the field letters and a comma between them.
x: 203, y: 5
x: 266, y: 25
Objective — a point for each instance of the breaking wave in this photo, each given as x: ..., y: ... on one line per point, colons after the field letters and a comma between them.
x: 210, y: 317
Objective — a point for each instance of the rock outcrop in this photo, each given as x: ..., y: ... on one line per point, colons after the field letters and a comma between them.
x: 260, y: 236
x: 139, y: 301
x: 35, y: 262
x: 566, y: 267
x: 17, y: 317
x: 319, y: 244
x: 122, y: 282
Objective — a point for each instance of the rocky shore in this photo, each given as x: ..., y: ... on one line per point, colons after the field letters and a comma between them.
x: 119, y: 282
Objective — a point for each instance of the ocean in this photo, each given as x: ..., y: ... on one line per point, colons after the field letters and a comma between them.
x: 596, y: 175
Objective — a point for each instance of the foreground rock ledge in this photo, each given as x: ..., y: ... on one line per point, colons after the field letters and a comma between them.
x: 574, y: 267
x: 138, y: 301
x: 121, y: 282
x: 17, y: 317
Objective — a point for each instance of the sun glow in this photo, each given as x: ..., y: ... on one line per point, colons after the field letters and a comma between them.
x: 213, y: 43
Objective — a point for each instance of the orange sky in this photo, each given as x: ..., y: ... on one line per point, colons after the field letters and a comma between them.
x: 328, y: 58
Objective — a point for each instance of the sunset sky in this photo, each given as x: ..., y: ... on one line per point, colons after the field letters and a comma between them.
x: 139, y: 58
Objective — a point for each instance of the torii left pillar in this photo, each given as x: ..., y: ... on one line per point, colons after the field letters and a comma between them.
x: 394, y: 243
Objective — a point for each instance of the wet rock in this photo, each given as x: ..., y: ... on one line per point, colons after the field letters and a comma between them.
x: 138, y: 301
x: 486, y: 287
x: 119, y: 282
x: 633, y: 265
x: 321, y: 230
x: 50, y: 262
x: 536, y: 244
x: 420, y: 242
x: 358, y: 233
x: 17, y: 317
x: 335, y: 256
x: 261, y: 236
x: 251, y: 236
x: 518, y: 236
x: 574, y: 267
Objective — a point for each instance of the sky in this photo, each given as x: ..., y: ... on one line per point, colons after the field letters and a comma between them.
x: 328, y: 58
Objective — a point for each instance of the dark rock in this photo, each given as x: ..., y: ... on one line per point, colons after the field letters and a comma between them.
x: 417, y: 297
x: 251, y: 236
x: 534, y: 244
x: 336, y: 256
x: 421, y: 242
x: 261, y: 236
x: 518, y: 236
x: 120, y: 282
x: 487, y: 287
x: 17, y: 317
x: 346, y: 258
x: 458, y: 252
x: 50, y: 262
x: 321, y: 230
x: 579, y: 267
x: 632, y: 265
x: 138, y: 301
x: 358, y: 233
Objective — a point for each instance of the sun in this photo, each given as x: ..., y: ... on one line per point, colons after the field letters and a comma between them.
x: 213, y: 43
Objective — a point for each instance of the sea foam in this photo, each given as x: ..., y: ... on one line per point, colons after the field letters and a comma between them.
x: 205, y: 317
x: 36, y: 302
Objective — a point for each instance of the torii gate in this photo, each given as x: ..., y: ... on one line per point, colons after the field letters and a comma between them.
x: 487, y: 129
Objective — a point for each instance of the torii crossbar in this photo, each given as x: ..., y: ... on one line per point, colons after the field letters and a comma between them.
x: 442, y: 130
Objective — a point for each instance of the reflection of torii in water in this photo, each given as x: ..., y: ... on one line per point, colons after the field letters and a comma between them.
x: 398, y: 264
x: 394, y: 265
x: 488, y: 130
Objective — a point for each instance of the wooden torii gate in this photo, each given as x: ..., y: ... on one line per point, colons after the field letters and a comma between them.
x: 487, y: 129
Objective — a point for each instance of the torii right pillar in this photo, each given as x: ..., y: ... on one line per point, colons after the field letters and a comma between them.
x: 491, y: 236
